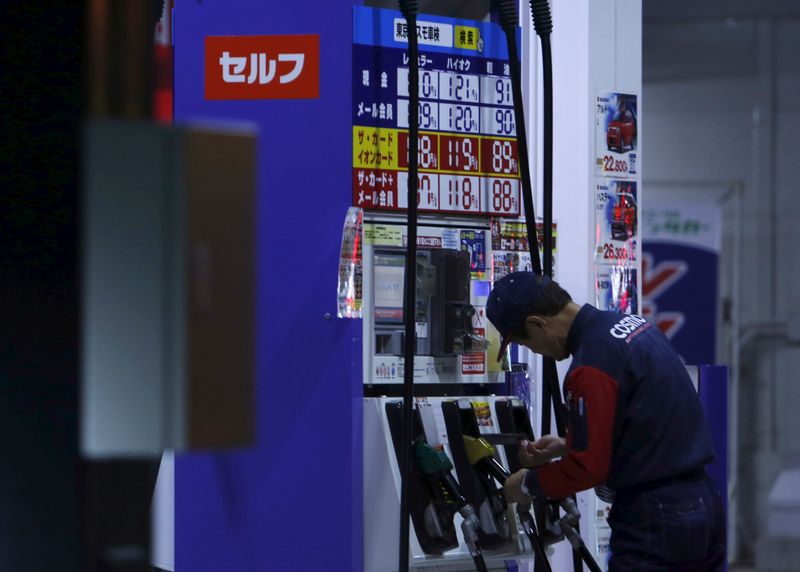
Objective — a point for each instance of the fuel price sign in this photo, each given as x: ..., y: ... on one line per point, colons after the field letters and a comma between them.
x: 468, y: 158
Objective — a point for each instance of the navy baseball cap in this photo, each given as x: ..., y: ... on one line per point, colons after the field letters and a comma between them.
x: 511, y: 301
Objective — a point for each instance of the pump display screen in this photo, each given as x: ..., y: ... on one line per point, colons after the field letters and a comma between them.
x: 388, y: 274
x: 468, y: 157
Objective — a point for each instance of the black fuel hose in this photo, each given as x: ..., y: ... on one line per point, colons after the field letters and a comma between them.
x: 509, y: 21
x: 543, y: 24
x: 410, y: 9
x: 551, y: 390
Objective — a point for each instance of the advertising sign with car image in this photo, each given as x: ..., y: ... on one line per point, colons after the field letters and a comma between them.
x: 616, y: 134
x: 616, y: 288
x: 616, y: 221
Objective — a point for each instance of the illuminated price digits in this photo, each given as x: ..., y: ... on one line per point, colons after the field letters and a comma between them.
x: 426, y: 118
x: 503, y: 157
x: 614, y: 165
x: 503, y: 89
x: 427, y: 157
x: 505, y: 121
x: 461, y: 195
x: 462, y: 87
x: 425, y: 195
x: 461, y: 118
x: 466, y: 194
x: 455, y: 91
x: 502, y: 196
x: 461, y: 149
x: 427, y: 85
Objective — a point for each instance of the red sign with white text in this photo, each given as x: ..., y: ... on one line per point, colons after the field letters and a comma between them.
x: 262, y: 67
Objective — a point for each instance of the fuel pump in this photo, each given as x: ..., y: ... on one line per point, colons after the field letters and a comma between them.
x: 427, y: 282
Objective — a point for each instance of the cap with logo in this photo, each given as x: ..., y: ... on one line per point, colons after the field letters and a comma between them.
x: 511, y: 301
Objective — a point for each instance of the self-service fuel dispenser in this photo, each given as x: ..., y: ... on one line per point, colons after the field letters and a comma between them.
x: 435, y: 133
x: 469, y: 195
x: 336, y: 130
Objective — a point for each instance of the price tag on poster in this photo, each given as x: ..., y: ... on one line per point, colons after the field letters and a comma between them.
x: 616, y: 221
x: 616, y: 134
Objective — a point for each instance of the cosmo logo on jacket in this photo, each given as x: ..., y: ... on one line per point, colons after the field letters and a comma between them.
x: 628, y: 327
x: 262, y: 67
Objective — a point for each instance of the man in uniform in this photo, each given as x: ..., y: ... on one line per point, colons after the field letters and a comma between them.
x: 636, y: 431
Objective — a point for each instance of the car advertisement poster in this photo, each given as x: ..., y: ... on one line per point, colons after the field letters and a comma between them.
x: 616, y: 135
x: 616, y: 221
x: 616, y: 288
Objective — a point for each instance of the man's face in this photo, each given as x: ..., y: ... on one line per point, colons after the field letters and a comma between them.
x: 541, y: 339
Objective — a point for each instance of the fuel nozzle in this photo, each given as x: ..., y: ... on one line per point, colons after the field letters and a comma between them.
x: 480, y: 453
x: 569, y: 526
x: 570, y: 520
x: 437, y: 466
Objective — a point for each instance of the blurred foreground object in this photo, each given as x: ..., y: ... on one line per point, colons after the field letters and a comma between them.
x: 168, y: 289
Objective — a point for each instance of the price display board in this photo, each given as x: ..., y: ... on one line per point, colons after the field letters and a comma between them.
x: 468, y: 158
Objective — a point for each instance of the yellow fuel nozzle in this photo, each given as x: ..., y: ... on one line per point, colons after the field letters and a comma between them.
x: 477, y: 449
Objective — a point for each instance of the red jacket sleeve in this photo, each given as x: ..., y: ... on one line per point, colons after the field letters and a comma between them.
x: 592, y: 403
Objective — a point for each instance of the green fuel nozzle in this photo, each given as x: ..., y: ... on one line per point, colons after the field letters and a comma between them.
x: 430, y: 460
x: 437, y: 465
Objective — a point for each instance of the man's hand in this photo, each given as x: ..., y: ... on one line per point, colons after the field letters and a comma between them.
x: 533, y: 454
x: 513, y: 488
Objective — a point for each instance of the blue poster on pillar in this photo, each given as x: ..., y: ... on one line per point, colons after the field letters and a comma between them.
x: 680, y: 276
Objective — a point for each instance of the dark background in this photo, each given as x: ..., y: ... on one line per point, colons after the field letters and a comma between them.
x: 41, y: 99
